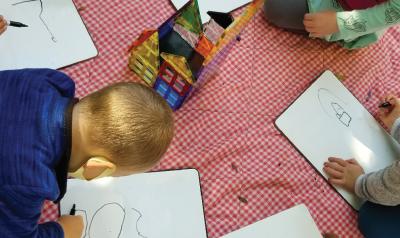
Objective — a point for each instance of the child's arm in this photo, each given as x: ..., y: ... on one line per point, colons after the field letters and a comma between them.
x: 20, y: 208
x: 383, y: 187
x: 40, y: 79
x: 72, y: 226
x: 354, y: 29
x: 353, y: 24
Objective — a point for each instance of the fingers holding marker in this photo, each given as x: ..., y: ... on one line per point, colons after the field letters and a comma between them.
x: 389, y: 98
x: 3, y: 24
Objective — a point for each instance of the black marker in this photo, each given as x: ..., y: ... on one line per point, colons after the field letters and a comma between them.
x: 72, y: 212
x: 16, y: 24
x: 385, y: 105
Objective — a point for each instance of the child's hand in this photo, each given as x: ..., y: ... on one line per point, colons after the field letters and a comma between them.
x: 72, y: 226
x: 343, y: 173
x: 389, y: 115
x: 321, y: 24
x: 3, y: 25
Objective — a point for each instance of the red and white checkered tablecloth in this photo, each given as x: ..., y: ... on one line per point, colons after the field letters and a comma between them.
x: 249, y: 171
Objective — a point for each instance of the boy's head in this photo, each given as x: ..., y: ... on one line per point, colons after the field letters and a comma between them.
x: 127, y: 125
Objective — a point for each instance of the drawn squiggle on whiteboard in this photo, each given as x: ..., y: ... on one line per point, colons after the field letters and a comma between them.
x: 53, y: 38
x: 333, y: 105
x: 110, y: 206
x: 116, y: 208
x: 137, y: 222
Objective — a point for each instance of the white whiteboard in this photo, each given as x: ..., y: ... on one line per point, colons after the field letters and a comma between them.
x: 55, y: 38
x: 312, y: 125
x: 152, y: 205
x: 295, y: 222
x: 212, y: 5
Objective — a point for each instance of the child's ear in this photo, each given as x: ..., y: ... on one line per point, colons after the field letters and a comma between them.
x: 97, y: 167
x: 99, y: 162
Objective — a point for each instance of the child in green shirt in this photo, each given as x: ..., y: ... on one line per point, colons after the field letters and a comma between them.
x: 328, y: 20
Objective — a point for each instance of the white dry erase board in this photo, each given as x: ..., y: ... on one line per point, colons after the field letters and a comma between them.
x: 152, y: 205
x: 327, y: 120
x: 295, y: 222
x: 213, y: 5
x: 55, y: 37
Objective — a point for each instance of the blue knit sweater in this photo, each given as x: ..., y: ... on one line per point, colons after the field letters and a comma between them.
x: 35, y: 122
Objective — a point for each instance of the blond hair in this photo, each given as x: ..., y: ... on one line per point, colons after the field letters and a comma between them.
x: 131, y: 122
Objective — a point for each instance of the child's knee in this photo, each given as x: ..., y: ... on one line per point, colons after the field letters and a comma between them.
x: 287, y: 14
x: 377, y: 221
x: 363, y: 221
x: 272, y: 10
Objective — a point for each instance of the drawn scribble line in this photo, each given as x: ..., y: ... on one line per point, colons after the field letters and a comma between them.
x: 14, y: 4
x: 53, y: 38
x: 86, y: 219
x: 343, y: 116
x: 89, y: 224
x: 111, y: 203
x: 320, y: 100
x: 137, y: 223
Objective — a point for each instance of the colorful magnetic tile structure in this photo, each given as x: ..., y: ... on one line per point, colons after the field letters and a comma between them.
x: 172, y: 83
x: 204, y: 46
x: 179, y: 65
x: 190, y: 17
x: 233, y: 30
x: 213, y: 31
x: 191, y: 38
x: 171, y: 58
x: 145, y: 56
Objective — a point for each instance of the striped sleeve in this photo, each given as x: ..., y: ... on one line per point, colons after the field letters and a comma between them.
x: 20, y: 209
x: 382, y: 187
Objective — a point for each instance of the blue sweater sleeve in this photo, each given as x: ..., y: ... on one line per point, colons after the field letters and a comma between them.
x: 56, y: 79
x: 20, y: 209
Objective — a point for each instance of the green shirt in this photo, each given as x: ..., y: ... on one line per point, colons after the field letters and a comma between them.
x: 359, y: 28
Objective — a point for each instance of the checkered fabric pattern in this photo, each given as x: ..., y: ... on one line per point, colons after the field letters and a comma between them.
x: 249, y: 171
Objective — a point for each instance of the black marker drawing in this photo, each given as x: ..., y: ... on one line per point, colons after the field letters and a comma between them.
x: 97, y: 215
x: 117, y: 208
x: 53, y: 38
x: 341, y: 114
x: 137, y: 222
x: 332, y: 106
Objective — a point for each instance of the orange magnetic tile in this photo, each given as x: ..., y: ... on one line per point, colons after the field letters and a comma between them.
x: 204, y: 46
